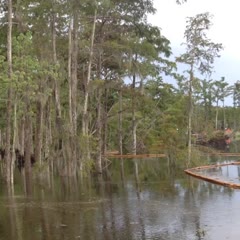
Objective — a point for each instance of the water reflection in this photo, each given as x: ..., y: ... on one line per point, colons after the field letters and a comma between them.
x: 151, y: 204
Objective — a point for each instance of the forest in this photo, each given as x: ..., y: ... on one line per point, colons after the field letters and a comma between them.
x: 83, y: 79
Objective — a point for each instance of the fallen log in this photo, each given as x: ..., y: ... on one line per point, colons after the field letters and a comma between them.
x: 225, y: 154
x: 135, y: 156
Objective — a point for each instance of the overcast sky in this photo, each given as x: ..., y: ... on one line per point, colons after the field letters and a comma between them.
x: 171, y: 18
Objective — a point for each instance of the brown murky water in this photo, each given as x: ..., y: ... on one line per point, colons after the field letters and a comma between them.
x: 161, y: 206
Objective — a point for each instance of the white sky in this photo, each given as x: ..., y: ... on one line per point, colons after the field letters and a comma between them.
x: 171, y: 18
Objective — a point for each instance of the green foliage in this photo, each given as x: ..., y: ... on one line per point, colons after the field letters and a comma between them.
x: 125, y: 46
x: 200, y: 51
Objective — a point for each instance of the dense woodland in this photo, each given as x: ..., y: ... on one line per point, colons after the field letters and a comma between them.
x: 80, y: 79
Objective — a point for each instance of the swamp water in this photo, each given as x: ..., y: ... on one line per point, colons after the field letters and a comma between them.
x: 161, y: 206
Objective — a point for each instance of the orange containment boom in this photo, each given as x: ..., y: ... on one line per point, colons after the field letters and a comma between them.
x: 193, y: 172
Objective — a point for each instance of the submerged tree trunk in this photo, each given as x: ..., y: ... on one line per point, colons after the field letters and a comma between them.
x: 74, y: 82
x: 8, y: 158
x: 71, y: 142
x: 85, y: 130
x: 68, y: 142
x: 120, y: 132
x: 134, y: 122
x: 190, y: 112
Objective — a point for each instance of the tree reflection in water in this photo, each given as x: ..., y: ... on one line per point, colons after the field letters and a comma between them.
x: 152, y: 203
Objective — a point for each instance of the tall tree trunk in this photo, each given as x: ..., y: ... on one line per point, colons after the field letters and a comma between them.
x: 56, y: 84
x: 99, y: 124
x: 22, y: 136
x: 38, y: 134
x: 48, y: 129
x: 141, y: 86
x: 85, y: 130
x: 13, y: 158
x: 216, y: 119
x: 224, y: 115
x: 134, y: 125
x: 27, y: 149
x: 105, y: 123
x: 8, y: 158
x: 190, y: 112
x: 120, y: 132
x: 70, y: 72
x: 59, y: 122
x: 74, y: 80
x: 86, y: 92
x: 71, y: 149
x: 134, y: 122
x: 99, y: 133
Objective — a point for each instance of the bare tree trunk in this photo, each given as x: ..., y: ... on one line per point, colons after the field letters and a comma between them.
x: 48, y: 130
x: 38, y: 135
x: 54, y: 34
x: 70, y: 72
x: 120, y: 132
x: 72, y: 162
x: 74, y: 80
x: 224, y: 115
x: 141, y: 87
x: 27, y: 150
x: 190, y: 112
x: 86, y: 93
x: 134, y: 122
x: 99, y: 160
x: 22, y: 136
x: 216, y: 119
x: 59, y: 122
x: 105, y: 123
x: 72, y: 69
x: 99, y: 133
x: 56, y: 83
x: 14, y: 143
x: 8, y: 159
x: 1, y: 138
x: 85, y: 130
